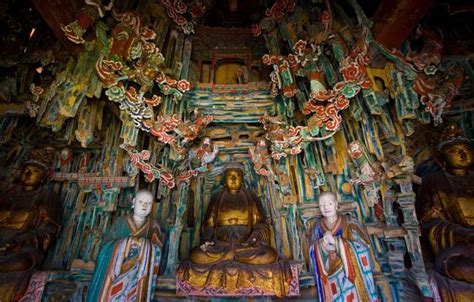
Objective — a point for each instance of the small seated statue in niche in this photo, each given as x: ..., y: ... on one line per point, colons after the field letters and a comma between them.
x: 235, y: 257
x: 340, y: 255
x: 127, y: 264
x: 446, y: 209
x: 29, y: 223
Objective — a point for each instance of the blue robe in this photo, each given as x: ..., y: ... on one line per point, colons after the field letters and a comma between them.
x: 344, y: 275
x: 127, y: 264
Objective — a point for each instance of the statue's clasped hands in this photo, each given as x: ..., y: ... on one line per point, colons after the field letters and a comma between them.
x: 329, y: 242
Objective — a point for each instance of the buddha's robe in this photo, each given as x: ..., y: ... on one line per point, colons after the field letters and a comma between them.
x: 345, y: 274
x: 446, y: 203
x: 30, y: 219
x: 234, y: 264
x: 127, y: 264
x: 446, y: 209
x: 231, y: 222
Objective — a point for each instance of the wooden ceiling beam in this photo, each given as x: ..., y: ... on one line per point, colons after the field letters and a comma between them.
x: 394, y: 20
x: 56, y: 13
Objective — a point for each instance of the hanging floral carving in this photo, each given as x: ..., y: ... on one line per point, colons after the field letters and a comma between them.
x: 169, y: 129
x: 152, y: 172
x: 261, y: 159
x: 131, y: 69
x: 282, y: 76
x: 278, y: 10
x: 326, y: 104
x: 85, y: 18
x: 255, y: 30
x: 205, y: 154
x: 286, y: 139
x: 33, y: 106
x: 437, y: 91
x: 286, y: 68
x: 130, y: 66
x: 179, y: 12
x: 435, y: 85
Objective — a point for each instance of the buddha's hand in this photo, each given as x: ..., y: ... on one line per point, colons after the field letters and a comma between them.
x: 464, y: 234
x: 470, y: 236
x: 9, y: 246
x: 205, y: 246
x: 250, y: 242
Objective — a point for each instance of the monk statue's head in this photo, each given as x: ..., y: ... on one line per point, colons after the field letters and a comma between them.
x: 328, y: 204
x: 142, y: 203
x: 455, y: 151
x: 35, y: 170
x: 233, y: 178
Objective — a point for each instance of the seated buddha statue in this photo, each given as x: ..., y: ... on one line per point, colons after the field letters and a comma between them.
x: 235, y: 253
x: 234, y: 227
x: 29, y: 223
x: 446, y: 209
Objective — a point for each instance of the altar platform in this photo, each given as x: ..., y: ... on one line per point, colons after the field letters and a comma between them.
x: 306, y: 294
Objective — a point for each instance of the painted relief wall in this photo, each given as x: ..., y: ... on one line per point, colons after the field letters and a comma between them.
x: 153, y: 95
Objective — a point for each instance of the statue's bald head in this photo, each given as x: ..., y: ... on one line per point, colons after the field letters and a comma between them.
x: 328, y: 204
x: 143, y: 203
x: 328, y: 194
x: 145, y: 193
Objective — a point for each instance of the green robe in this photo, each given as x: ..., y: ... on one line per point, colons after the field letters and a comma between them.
x: 127, y: 265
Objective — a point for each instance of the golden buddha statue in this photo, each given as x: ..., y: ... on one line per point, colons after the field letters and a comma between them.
x: 235, y: 255
x: 29, y: 222
x: 234, y: 227
x: 446, y: 206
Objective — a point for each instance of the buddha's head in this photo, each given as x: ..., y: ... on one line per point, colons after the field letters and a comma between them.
x: 36, y: 169
x: 233, y: 178
x: 457, y: 157
x: 32, y: 176
x: 328, y: 204
x: 142, y: 203
x: 455, y: 152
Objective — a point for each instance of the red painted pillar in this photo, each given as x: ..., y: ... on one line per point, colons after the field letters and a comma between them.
x: 394, y: 20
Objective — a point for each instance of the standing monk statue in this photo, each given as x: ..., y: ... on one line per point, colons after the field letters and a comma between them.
x: 127, y: 265
x: 340, y: 255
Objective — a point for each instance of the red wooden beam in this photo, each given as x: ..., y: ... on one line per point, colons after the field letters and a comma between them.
x: 57, y: 12
x: 394, y: 20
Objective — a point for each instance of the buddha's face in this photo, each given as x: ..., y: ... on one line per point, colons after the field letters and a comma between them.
x: 328, y: 205
x: 233, y: 180
x: 457, y: 156
x: 142, y: 204
x: 32, y: 176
